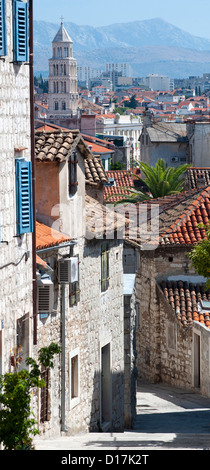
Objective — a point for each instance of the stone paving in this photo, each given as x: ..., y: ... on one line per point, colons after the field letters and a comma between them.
x: 167, y: 418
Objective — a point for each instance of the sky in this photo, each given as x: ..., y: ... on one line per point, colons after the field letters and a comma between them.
x: 190, y: 15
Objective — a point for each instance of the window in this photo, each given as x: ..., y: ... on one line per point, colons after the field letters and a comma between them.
x: 74, y: 294
x: 63, y: 105
x: 3, y: 42
x: 56, y: 105
x: 23, y: 339
x: 66, y: 52
x: 74, y: 377
x: 104, y: 267
x: 73, y: 174
x: 24, y: 215
x: 74, y: 291
x: 20, y: 21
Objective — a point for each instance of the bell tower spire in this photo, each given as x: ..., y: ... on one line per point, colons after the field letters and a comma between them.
x: 63, y: 95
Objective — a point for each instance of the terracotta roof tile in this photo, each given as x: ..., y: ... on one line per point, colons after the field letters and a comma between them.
x: 47, y: 236
x: 58, y: 146
x: 193, y: 211
x: 41, y: 262
x: 101, y: 220
x: 184, y: 299
x: 179, y: 216
x: 96, y: 148
x: 123, y: 181
x: 197, y: 177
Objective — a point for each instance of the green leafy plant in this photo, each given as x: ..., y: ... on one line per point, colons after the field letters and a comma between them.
x: 200, y: 255
x: 159, y: 181
x: 17, y: 424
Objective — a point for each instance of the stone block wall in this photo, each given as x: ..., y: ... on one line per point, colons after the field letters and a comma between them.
x: 148, y: 332
x: 130, y: 374
x: 15, y: 252
x: 175, y: 347
x: 164, y: 346
x: 203, y: 333
x: 91, y: 325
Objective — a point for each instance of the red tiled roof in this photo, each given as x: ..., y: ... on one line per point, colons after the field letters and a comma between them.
x: 184, y: 230
x: 41, y: 262
x: 58, y: 146
x: 197, y: 176
x: 98, y: 148
x: 179, y: 216
x: 184, y: 298
x: 123, y: 179
x: 47, y: 236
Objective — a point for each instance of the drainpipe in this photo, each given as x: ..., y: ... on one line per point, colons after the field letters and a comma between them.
x: 31, y: 73
x: 63, y: 362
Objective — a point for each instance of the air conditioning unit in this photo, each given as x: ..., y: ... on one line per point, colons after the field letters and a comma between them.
x: 68, y: 270
x: 45, y: 295
x: 174, y: 159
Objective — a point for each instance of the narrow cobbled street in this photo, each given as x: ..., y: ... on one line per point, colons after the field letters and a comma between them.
x: 167, y: 419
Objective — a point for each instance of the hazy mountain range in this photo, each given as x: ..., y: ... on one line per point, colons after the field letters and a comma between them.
x: 149, y: 46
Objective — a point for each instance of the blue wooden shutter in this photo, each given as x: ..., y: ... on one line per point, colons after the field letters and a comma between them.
x: 3, y: 37
x: 24, y: 197
x: 20, y: 31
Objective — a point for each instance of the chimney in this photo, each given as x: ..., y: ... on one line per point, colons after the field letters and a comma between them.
x: 201, y: 181
x: 147, y: 118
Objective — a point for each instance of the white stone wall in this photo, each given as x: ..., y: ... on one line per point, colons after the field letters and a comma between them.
x: 97, y: 320
x: 15, y: 266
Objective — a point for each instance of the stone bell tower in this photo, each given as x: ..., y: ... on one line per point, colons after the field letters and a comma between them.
x: 62, y: 96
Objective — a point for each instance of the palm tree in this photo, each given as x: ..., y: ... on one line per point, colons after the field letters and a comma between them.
x: 159, y: 181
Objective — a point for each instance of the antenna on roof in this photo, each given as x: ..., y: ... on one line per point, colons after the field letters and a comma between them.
x: 62, y: 18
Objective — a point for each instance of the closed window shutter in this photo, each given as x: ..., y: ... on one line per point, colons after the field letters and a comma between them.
x: 20, y: 31
x: 3, y: 42
x: 24, y: 197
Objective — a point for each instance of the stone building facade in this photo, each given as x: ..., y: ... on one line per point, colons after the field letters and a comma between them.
x: 16, y: 302
x: 164, y: 345
x: 172, y: 337
x: 165, y: 140
x: 93, y: 367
